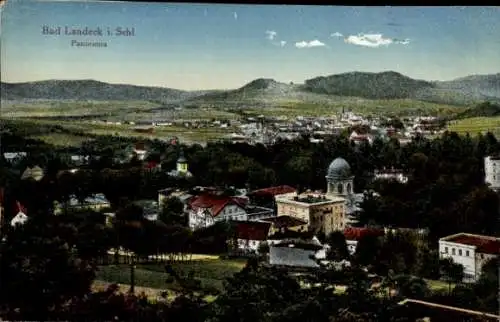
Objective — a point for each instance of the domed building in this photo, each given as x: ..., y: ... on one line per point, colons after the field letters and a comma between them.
x: 340, y: 183
x: 339, y: 178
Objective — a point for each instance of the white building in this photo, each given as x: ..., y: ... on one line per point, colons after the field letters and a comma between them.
x: 293, y: 254
x: 492, y: 172
x: 206, y: 209
x: 471, y: 251
x: 391, y: 174
x: 20, y: 218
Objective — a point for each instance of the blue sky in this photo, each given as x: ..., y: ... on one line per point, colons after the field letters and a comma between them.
x: 189, y: 46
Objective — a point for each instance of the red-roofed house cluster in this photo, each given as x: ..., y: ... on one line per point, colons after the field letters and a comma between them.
x: 472, y: 251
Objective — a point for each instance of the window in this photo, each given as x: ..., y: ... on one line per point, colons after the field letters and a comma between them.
x: 459, y: 252
x: 467, y: 253
x: 340, y: 188
x: 349, y: 188
x: 453, y: 251
x: 446, y: 250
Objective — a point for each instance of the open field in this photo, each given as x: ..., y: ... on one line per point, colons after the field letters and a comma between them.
x: 187, y: 135
x: 211, y: 273
x: 476, y: 125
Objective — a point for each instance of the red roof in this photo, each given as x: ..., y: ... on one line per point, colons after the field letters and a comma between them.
x: 252, y: 230
x: 139, y: 146
x: 216, y: 203
x: 20, y: 208
x: 356, y: 233
x: 484, y: 244
x: 151, y: 165
x: 273, y: 191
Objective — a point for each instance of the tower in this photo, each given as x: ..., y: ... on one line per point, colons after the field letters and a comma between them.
x: 182, y: 165
x: 492, y: 172
x: 339, y: 178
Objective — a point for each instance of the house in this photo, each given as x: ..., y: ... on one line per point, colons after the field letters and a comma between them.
x: 391, y: 174
x: 354, y: 234
x: 20, y: 218
x: 321, y: 213
x: 207, y: 208
x: 36, y: 173
x: 471, y: 251
x: 140, y: 151
x: 294, y: 254
x: 492, y: 172
x: 14, y: 157
x: 282, y: 223
x: 96, y: 202
x: 250, y: 235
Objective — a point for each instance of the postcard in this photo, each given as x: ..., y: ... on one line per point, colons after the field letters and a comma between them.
x: 203, y: 72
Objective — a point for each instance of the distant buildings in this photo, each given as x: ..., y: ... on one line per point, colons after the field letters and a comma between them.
x: 492, y: 172
x: 96, y: 202
x: 471, y: 251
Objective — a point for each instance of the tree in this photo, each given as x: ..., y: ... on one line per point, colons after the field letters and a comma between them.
x: 41, y: 269
x: 367, y: 250
x: 338, y: 247
x: 172, y: 212
x: 451, y: 272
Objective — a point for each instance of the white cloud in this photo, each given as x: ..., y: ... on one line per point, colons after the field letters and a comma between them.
x: 309, y: 44
x: 271, y: 34
x: 282, y: 43
x: 373, y: 40
x: 337, y: 34
x: 235, y: 15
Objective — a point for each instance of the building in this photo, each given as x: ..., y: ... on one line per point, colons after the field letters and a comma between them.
x: 20, y: 218
x: 36, y: 173
x: 391, y: 174
x: 181, y: 169
x: 419, y: 310
x: 321, y: 213
x: 471, y: 251
x: 492, y: 172
x: 282, y: 223
x: 354, y: 234
x: 207, y: 208
x: 96, y: 202
x: 340, y: 183
x: 294, y: 254
x: 250, y: 235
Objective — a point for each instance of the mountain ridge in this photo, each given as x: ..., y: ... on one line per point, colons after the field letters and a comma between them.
x: 321, y: 89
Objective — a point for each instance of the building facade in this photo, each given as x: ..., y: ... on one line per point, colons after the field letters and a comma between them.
x: 492, y: 172
x: 471, y: 251
x: 321, y: 213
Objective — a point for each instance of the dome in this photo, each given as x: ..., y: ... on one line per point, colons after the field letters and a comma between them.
x: 339, y: 169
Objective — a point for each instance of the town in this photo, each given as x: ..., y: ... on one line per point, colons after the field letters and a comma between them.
x: 249, y: 163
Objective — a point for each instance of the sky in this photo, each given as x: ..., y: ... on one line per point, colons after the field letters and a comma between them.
x: 222, y: 46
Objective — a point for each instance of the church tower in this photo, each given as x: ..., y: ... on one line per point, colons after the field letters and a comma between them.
x: 182, y: 164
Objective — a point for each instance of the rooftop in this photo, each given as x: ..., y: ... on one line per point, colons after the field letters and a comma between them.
x: 214, y: 202
x: 252, y: 230
x: 483, y: 244
x: 356, y: 233
x: 278, y: 190
x: 310, y: 199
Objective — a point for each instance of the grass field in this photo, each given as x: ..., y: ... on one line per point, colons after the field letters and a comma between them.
x: 476, y: 125
x: 160, y: 132
x: 210, y: 271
